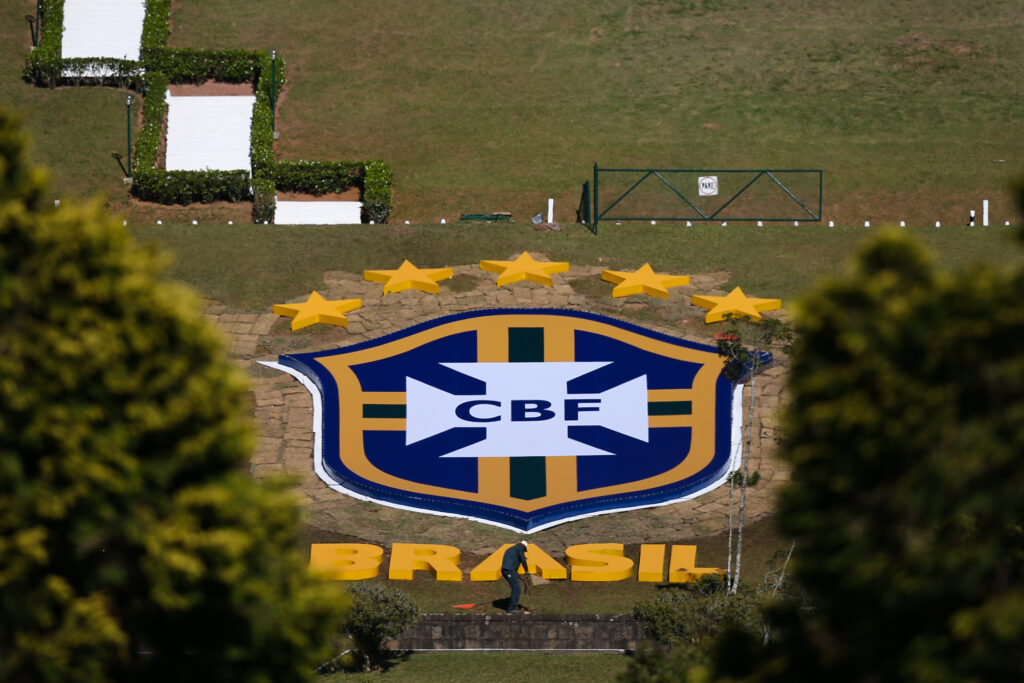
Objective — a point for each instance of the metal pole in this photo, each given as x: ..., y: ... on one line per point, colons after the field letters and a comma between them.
x: 273, y: 90
x: 39, y: 10
x: 128, y: 128
x: 821, y: 187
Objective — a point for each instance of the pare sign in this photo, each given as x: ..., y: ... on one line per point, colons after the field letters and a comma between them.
x: 707, y: 186
x: 587, y: 562
x: 521, y: 418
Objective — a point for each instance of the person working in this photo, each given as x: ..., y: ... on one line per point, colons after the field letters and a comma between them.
x: 514, y: 558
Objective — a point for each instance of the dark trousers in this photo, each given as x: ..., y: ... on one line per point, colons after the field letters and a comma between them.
x: 513, y: 582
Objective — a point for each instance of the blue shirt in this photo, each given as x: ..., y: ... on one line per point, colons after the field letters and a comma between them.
x: 513, y: 558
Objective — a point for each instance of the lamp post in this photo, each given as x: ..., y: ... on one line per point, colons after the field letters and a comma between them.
x: 39, y: 11
x: 128, y: 127
x: 273, y: 90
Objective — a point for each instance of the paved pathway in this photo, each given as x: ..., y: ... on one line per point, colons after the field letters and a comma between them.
x: 283, y: 408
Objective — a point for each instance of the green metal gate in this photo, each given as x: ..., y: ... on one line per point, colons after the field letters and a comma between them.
x: 694, y: 195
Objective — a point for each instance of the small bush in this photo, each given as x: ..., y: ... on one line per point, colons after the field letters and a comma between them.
x: 377, y: 183
x: 264, y: 201
x: 692, y: 614
x: 378, y: 612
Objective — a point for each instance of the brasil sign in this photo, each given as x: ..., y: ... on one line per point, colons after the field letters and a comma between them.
x: 521, y: 418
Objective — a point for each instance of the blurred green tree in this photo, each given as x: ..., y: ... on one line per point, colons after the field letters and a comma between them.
x: 133, y: 544
x: 905, y: 434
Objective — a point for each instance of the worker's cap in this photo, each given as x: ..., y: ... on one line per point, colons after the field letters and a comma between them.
x: 524, y: 544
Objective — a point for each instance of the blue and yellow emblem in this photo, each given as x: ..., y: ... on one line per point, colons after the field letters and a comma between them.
x: 520, y: 418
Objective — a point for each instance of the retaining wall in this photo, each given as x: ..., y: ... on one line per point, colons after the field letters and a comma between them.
x: 580, y: 632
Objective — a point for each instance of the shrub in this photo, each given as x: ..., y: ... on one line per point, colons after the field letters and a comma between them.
x: 196, y: 66
x: 264, y: 201
x: 692, y: 614
x: 377, y: 181
x: 261, y: 141
x: 156, y: 27
x: 378, y: 612
x: 189, y: 187
x: 318, y: 177
x: 43, y: 65
x: 154, y: 111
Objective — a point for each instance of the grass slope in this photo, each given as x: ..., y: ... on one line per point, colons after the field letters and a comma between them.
x: 491, y: 105
x: 74, y: 130
x: 250, y: 267
x: 509, y: 667
x: 910, y: 108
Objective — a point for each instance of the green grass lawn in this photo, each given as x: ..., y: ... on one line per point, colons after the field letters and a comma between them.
x: 911, y: 109
x: 251, y: 267
x: 74, y: 130
x: 509, y: 667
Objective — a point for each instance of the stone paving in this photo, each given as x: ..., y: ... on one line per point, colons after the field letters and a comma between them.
x: 283, y: 407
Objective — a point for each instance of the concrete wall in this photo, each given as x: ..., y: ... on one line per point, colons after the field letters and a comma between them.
x: 522, y: 632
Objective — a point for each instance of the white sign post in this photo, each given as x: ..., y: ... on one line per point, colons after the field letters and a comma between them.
x: 707, y: 185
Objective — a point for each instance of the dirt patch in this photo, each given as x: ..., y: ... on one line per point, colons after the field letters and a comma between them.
x: 352, y: 194
x: 211, y: 89
x: 215, y: 212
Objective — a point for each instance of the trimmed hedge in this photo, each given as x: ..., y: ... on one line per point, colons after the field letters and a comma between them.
x: 156, y: 26
x: 319, y: 177
x: 190, y: 187
x: 373, y: 178
x: 43, y: 66
x: 377, y: 192
x: 197, y: 66
x: 176, y: 187
x: 160, y: 66
x: 154, y: 112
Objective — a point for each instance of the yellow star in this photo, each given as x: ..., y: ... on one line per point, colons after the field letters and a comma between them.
x: 643, y: 281
x: 317, y: 309
x: 524, y: 268
x: 737, y: 303
x: 409, y: 276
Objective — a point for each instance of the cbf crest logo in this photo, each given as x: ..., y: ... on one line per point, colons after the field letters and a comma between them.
x: 520, y: 418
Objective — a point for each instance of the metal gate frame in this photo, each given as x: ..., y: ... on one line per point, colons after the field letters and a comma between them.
x: 590, y: 214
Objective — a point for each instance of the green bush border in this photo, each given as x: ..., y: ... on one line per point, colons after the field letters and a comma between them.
x: 43, y: 66
x: 161, y: 66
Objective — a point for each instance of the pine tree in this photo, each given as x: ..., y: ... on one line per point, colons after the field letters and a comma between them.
x: 133, y: 545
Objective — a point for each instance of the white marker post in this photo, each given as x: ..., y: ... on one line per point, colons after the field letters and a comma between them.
x: 551, y: 210
x: 984, y: 213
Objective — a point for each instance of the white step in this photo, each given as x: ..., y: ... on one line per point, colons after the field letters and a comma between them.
x: 318, y: 213
x: 209, y: 133
x: 103, y: 28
